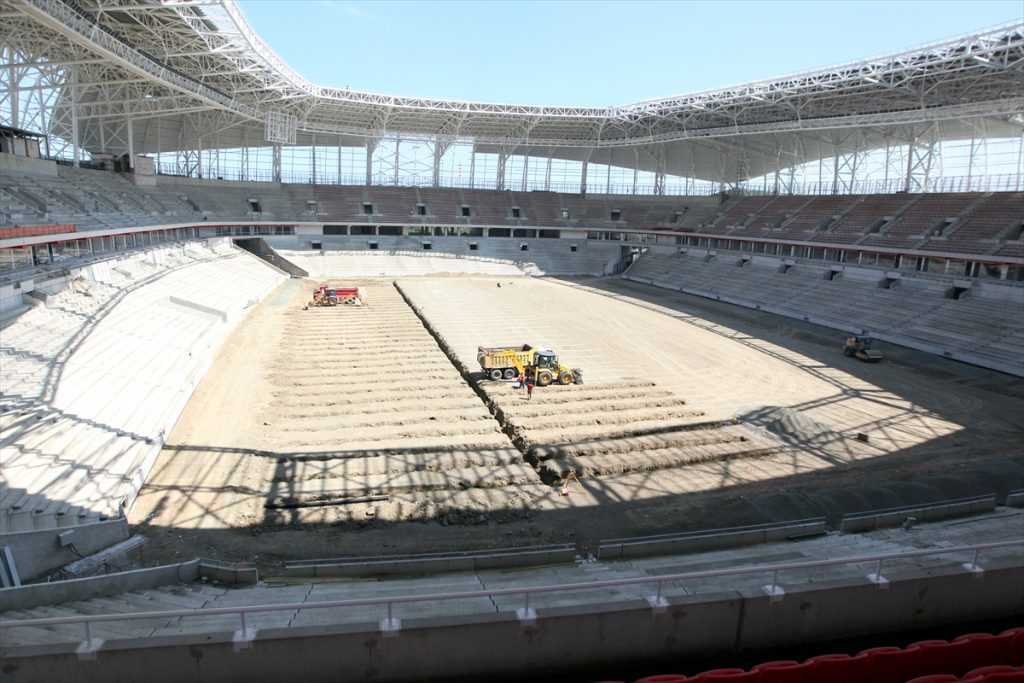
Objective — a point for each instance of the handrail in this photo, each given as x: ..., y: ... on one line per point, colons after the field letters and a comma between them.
x: 388, y: 602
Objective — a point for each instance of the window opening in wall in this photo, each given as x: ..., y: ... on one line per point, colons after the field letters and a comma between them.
x: 427, y: 246
x: 473, y: 246
x: 676, y: 216
x: 524, y: 247
x: 572, y: 248
x: 421, y: 209
x: 335, y: 229
x: 316, y: 246
x: 465, y: 211
x: 616, y: 214
x: 254, y: 206
x: 565, y: 214
x: 391, y: 230
x: 372, y: 245
x: 368, y: 208
x: 516, y: 213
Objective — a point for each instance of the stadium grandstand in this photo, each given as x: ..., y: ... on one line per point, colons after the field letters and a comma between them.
x: 783, y: 440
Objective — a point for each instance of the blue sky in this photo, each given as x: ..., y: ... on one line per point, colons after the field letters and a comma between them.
x: 593, y: 53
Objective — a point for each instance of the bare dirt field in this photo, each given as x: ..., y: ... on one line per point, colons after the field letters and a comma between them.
x: 693, y: 414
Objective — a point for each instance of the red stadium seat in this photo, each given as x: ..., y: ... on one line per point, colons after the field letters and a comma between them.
x: 1015, y: 649
x: 984, y: 673
x: 932, y: 657
x: 837, y: 668
x: 787, y: 671
x: 983, y: 649
x: 726, y: 675
x: 886, y: 665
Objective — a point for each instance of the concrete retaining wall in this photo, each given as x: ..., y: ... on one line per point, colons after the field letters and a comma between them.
x: 492, y: 645
x: 39, y: 552
x: 442, y: 562
x: 890, y: 517
x: 703, y: 541
x: 27, y: 597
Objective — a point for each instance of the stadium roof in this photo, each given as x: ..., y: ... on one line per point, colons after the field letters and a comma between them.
x: 211, y: 80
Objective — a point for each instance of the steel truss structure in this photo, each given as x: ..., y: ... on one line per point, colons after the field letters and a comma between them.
x: 184, y: 76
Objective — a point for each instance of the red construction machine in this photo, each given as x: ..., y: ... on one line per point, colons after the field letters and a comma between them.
x: 336, y: 296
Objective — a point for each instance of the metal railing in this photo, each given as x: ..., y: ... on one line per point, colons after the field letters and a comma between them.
x: 526, y: 614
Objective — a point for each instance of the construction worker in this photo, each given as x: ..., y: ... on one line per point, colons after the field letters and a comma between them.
x: 521, y: 380
x: 530, y: 376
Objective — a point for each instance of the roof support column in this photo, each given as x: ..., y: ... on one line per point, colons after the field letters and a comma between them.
x: 920, y: 159
x: 339, y: 161
x: 1020, y: 158
x: 397, y: 160
x: 371, y: 146
x: 472, y: 169
x: 636, y: 167
x: 130, y: 125
x: 440, y: 147
x: 76, y: 150
x: 526, y: 173
x: 547, y: 175
x: 199, y: 156
x: 583, y: 174
x: 275, y: 162
x: 499, y: 181
x: 608, y: 172
x: 13, y: 86
x: 243, y: 167
x: 157, y: 121
x: 312, y: 160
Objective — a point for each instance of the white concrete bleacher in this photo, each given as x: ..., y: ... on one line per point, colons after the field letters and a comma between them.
x: 352, y: 255
x: 96, y: 377
x: 914, y: 311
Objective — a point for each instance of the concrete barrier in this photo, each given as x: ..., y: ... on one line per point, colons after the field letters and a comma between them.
x: 711, y: 539
x: 433, y: 562
x: 42, y: 551
x: 889, y: 517
x: 1015, y: 499
x: 36, y: 595
x: 233, y: 575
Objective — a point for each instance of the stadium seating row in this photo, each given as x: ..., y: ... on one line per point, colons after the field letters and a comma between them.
x: 970, y: 658
x: 982, y: 223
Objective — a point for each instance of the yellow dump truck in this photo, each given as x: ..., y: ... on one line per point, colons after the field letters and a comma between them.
x: 508, y: 361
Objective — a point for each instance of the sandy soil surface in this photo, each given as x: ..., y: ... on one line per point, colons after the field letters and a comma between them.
x: 694, y: 414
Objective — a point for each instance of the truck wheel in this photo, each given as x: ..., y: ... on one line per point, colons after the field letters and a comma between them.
x: 510, y: 373
x: 544, y: 378
x: 495, y: 374
x: 565, y: 377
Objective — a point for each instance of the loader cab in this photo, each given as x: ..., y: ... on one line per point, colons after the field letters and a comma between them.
x: 546, y: 359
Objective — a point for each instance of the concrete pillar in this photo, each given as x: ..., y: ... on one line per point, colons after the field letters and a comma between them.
x: 75, y: 150
x: 275, y: 171
x: 13, y: 83
x: 130, y: 124
x: 371, y: 145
